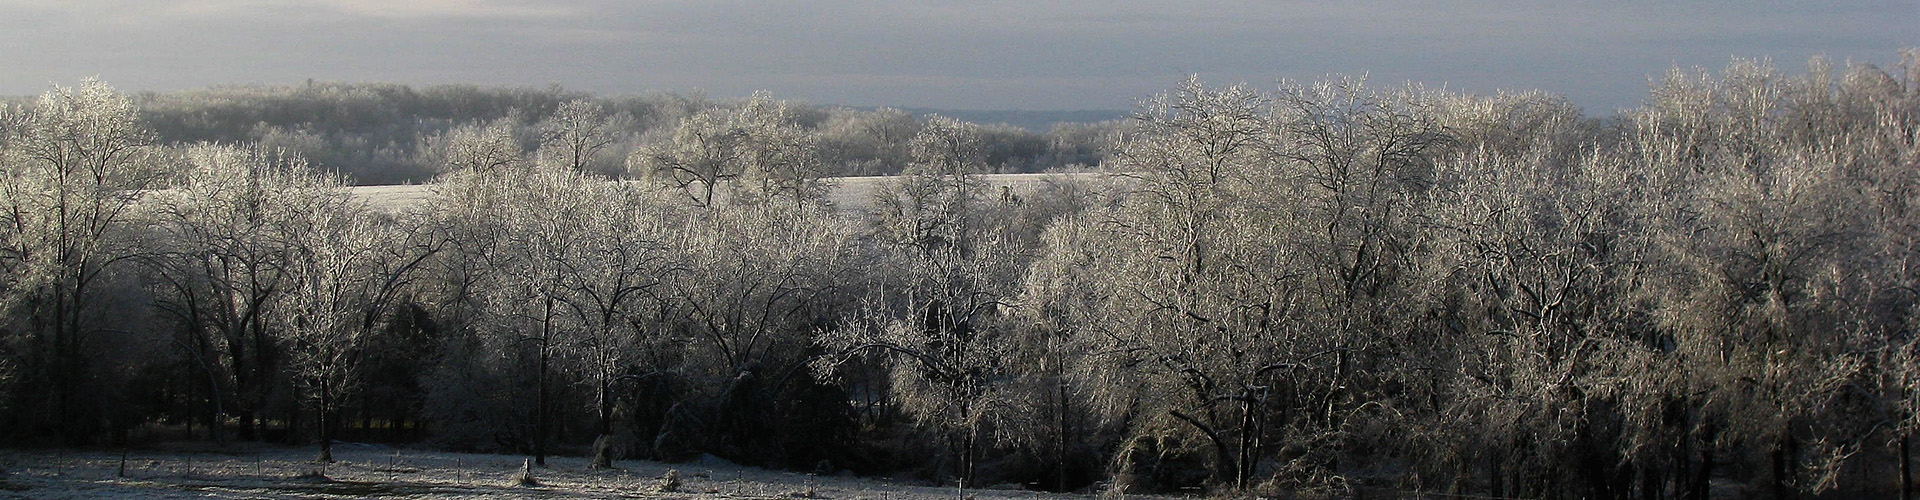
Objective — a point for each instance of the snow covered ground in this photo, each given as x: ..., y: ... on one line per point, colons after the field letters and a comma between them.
x: 848, y: 193
x: 372, y: 471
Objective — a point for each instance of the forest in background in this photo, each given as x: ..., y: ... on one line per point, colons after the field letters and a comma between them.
x: 377, y: 133
x: 1322, y: 288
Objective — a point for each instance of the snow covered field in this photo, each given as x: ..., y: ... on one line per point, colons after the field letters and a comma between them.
x: 848, y: 193
x: 372, y: 471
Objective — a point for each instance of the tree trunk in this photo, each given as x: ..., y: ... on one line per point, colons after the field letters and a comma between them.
x: 1249, y: 443
x: 606, y: 407
x: 292, y: 435
x: 1681, y: 471
x: 1781, y: 454
x: 258, y: 383
x: 1222, y: 454
x: 326, y: 423
x: 1906, y: 470
x: 249, y: 426
x: 217, y: 422
x: 966, y: 457
x: 62, y: 336
x: 1060, y: 468
x: 1649, y: 483
x: 190, y: 419
x: 540, y: 412
x: 1703, y: 477
x: 1496, y: 478
x: 540, y: 406
x: 603, y: 445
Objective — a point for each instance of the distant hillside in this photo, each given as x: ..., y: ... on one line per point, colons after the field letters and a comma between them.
x: 1035, y: 121
x: 394, y: 134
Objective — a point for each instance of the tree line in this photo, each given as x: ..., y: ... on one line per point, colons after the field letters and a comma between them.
x: 1327, y: 287
x: 380, y: 133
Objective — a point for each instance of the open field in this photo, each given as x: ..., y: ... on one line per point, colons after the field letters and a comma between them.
x: 245, y: 471
x: 848, y: 193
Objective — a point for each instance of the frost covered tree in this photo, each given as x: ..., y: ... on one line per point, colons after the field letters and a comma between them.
x: 530, y: 221
x: 936, y: 325
x: 351, y: 268
x: 756, y: 148
x: 1764, y: 285
x: 224, y: 261
x: 611, y: 291
x: 758, y: 281
x: 933, y: 206
x: 1541, y: 254
x: 1187, y: 288
x: 577, y: 134
x: 482, y: 148
x: 949, y: 355
x: 868, y: 142
x: 568, y: 268
x: 1255, y: 283
x: 74, y: 164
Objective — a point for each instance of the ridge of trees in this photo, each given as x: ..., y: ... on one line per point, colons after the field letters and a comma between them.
x: 383, y: 133
x: 1325, y: 288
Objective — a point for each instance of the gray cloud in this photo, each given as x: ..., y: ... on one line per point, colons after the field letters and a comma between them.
x: 985, y: 54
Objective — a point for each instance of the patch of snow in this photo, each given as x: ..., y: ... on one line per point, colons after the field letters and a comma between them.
x: 365, y: 470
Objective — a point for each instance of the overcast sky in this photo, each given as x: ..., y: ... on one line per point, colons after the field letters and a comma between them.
x: 1030, y: 54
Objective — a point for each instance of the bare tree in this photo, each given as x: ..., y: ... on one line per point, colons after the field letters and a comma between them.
x: 74, y: 163
x: 940, y: 327
x: 493, y: 147
x: 757, y: 146
x: 350, y: 270
x: 933, y: 205
x: 531, y: 220
x: 1256, y: 279
x: 611, y: 290
x: 577, y: 133
x: 868, y: 142
x: 224, y: 265
x: 569, y: 267
x: 759, y: 280
x: 950, y: 356
x: 1543, y: 258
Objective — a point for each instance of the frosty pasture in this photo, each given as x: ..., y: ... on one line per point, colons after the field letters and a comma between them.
x: 847, y: 193
x: 362, y: 471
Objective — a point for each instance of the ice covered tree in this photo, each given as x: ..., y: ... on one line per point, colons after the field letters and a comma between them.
x: 351, y: 267
x: 934, y: 204
x: 937, y: 326
x: 938, y: 330
x: 489, y: 148
x: 568, y: 269
x: 224, y: 259
x: 577, y: 134
x: 1188, y: 287
x: 1255, y: 285
x: 756, y: 148
x: 74, y: 163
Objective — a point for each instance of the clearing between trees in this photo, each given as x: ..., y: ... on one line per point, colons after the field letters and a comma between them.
x: 379, y: 471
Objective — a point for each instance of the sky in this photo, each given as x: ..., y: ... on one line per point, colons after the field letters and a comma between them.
x: 948, y: 54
